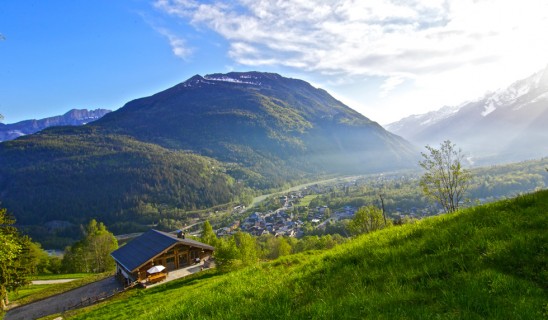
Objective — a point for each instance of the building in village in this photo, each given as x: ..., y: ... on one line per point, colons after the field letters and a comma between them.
x: 157, y: 248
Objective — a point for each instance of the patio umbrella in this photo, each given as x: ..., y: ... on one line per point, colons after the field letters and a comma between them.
x: 156, y: 269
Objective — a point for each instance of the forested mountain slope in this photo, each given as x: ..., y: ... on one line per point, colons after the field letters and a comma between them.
x: 264, y: 122
x: 75, y: 176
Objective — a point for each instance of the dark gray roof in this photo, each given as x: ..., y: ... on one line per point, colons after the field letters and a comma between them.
x: 148, y: 245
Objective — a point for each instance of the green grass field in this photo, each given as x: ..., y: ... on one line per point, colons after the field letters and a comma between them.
x: 305, y: 202
x: 61, y: 276
x: 34, y: 292
x: 487, y: 262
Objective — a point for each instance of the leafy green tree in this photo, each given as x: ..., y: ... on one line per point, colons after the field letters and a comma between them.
x: 237, y: 250
x: 445, y: 180
x: 92, y: 253
x: 208, y: 235
x: 367, y: 219
x: 247, y: 248
x: 32, y: 255
x: 275, y: 247
x: 226, y: 253
x: 14, y: 249
x: 284, y: 248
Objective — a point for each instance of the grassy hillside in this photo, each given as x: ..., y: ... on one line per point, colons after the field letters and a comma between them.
x: 488, y: 262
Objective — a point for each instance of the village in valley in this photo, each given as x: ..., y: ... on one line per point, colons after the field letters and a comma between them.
x: 296, y: 217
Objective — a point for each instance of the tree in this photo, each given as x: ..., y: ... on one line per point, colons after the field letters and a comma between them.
x: 247, y: 248
x: 92, y: 253
x: 226, y: 253
x: 14, y: 254
x: 276, y: 247
x: 367, y: 219
x: 208, y: 235
x: 445, y: 180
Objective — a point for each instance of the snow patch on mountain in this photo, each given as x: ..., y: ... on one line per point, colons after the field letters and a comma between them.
x: 239, y: 80
x: 435, y: 116
x: 489, y: 107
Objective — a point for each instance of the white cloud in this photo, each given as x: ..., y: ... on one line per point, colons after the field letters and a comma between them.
x: 461, y: 47
x: 178, y: 45
x: 389, y: 85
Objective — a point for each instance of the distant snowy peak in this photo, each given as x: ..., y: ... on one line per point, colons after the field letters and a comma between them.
x: 443, y: 113
x: 424, y: 119
x: 509, y: 96
x: 518, y: 95
x: 506, y: 125
x: 74, y: 117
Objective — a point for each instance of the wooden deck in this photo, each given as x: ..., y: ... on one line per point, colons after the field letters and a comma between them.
x: 156, y: 277
x: 183, y: 272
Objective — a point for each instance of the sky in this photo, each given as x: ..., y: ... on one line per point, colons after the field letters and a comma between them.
x: 387, y: 59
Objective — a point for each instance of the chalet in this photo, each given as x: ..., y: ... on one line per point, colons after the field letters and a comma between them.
x: 152, y: 248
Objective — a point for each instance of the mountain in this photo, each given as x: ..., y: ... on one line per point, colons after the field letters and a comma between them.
x: 506, y: 125
x: 201, y: 143
x: 264, y: 122
x: 74, y: 117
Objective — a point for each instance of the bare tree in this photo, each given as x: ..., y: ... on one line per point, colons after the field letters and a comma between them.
x: 445, y: 180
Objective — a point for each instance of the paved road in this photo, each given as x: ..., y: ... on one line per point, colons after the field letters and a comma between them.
x: 63, y: 301
x: 258, y: 199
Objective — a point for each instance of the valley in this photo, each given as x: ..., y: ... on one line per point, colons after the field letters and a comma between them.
x: 225, y: 159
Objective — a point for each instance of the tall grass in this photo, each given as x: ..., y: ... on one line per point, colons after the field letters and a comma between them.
x: 488, y: 262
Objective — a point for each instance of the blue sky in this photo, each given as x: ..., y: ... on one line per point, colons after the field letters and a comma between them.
x: 385, y: 58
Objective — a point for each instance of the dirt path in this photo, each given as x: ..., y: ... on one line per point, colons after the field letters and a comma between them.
x: 64, y: 301
x: 51, y: 281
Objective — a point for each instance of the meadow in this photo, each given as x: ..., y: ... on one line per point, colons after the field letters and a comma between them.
x: 485, y: 262
x: 34, y: 292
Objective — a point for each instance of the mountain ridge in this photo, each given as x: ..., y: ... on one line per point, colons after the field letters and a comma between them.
x: 73, y: 117
x: 505, y: 125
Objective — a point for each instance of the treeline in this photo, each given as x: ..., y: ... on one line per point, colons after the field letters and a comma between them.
x: 243, y: 249
x: 509, y: 179
x: 21, y: 258
x: 402, y: 194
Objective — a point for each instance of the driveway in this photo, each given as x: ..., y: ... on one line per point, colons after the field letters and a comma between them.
x: 83, y: 295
